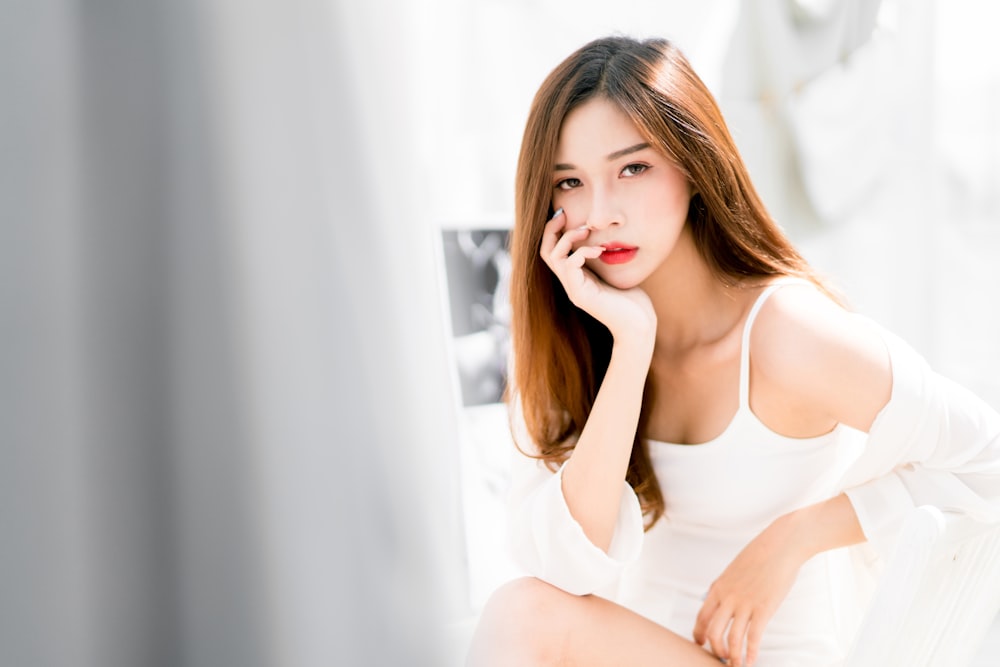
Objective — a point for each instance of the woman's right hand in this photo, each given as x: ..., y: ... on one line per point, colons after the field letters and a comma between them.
x: 628, y: 314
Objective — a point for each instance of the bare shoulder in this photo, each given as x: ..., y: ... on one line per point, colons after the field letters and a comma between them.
x: 811, y: 347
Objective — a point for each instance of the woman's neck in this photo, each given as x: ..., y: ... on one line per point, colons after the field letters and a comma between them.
x: 693, y: 307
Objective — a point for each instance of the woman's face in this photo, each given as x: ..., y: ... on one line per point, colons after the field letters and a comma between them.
x: 633, y: 198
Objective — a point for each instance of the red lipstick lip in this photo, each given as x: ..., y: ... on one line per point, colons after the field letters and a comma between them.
x: 618, y: 253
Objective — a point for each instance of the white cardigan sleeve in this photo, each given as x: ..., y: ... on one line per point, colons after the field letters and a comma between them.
x: 548, y: 543
x: 934, y: 443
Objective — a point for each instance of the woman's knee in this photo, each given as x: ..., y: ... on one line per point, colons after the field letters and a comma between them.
x: 528, y: 616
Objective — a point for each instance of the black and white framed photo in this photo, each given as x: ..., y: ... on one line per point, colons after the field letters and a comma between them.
x: 476, y: 267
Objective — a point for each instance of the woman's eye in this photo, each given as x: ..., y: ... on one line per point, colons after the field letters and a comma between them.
x: 634, y: 169
x: 568, y: 183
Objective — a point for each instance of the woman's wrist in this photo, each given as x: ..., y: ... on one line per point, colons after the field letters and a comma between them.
x: 635, y: 348
x: 638, y: 335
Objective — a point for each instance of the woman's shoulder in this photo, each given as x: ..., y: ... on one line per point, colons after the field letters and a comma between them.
x: 812, y: 347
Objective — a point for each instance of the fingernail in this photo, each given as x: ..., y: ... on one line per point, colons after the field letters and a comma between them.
x: 557, y: 213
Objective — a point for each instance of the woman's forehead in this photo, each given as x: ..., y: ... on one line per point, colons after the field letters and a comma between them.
x: 595, y: 131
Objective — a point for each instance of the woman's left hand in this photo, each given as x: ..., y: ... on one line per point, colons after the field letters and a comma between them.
x: 743, y: 599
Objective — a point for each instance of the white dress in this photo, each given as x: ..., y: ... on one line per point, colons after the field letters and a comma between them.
x: 719, y: 495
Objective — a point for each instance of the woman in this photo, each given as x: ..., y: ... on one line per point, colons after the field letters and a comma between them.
x: 704, y: 425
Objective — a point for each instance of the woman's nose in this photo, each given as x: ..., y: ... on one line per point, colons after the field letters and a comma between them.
x: 604, y: 213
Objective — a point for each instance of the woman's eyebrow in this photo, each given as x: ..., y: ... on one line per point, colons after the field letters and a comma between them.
x: 625, y: 151
x: 562, y: 166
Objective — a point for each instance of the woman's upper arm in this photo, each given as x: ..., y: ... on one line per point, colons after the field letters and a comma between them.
x: 823, y: 355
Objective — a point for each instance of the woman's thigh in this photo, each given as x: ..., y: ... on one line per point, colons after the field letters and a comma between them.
x: 529, y: 622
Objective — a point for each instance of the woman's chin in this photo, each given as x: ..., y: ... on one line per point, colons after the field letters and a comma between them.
x: 622, y: 282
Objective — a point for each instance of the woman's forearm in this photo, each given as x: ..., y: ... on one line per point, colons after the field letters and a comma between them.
x: 592, y: 477
x: 817, y: 528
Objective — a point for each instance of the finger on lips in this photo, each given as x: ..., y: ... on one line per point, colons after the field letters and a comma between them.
x: 576, y: 234
x: 565, y: 244
x: 583, y: 254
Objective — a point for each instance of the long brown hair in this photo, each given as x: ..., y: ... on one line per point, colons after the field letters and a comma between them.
x: 560, y: 352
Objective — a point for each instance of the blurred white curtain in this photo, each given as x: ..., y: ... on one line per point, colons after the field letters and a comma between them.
x: 832, y: 105
x: 224, y: 423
